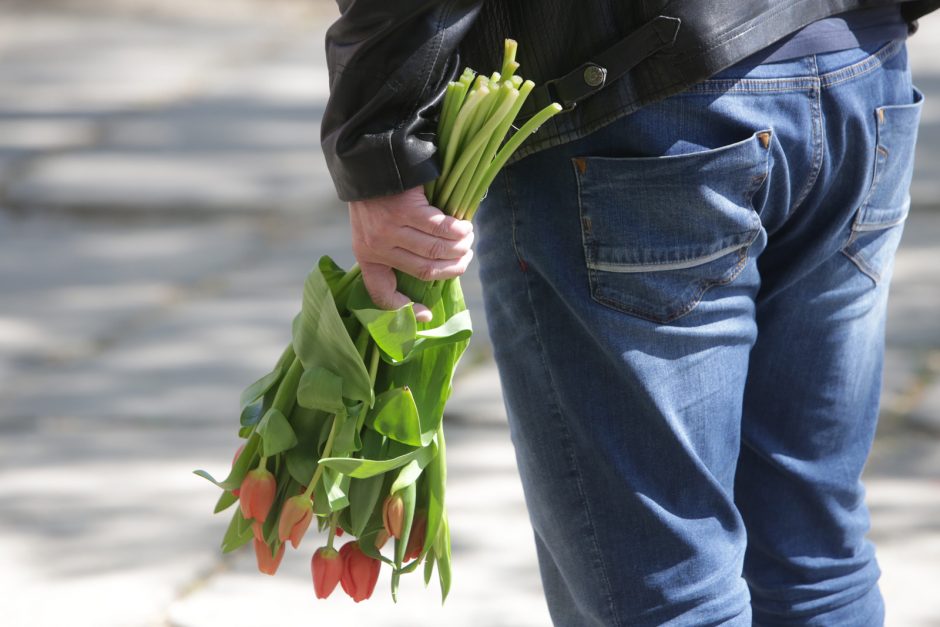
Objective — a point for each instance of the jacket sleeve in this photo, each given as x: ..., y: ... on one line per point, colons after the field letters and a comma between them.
x: 389, y: 63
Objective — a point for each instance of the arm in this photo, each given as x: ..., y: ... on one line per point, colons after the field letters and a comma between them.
x: 389, y: 63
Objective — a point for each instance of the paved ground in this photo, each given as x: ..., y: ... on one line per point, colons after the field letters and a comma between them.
x: 161, y: 197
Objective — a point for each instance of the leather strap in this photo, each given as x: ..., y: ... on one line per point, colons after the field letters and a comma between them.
x: 603, y: 68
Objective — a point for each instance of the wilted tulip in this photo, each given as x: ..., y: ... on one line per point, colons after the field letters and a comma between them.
x: 268, y: 563
x: 295, y: 518
x: 393, y: 510
x: 327, y: 568
x: 416, y: 537
x: 241, y: 448
x: 257, y: 494
x: 360, y: 572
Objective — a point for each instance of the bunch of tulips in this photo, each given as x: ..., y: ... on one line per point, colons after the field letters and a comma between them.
x: 347, y: 429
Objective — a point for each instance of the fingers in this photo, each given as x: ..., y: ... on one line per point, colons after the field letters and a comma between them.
x: 434, y: 222
x: 430, y: 247
x: 428, y: 269
x: 380, y: 282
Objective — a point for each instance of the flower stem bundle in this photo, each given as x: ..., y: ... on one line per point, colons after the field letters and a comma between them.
x: 347, y: 429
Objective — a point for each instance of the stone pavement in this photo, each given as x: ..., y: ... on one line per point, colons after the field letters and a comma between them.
x: 162, y: 196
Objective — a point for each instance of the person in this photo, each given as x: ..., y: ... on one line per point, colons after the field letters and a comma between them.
x: 685, y: 277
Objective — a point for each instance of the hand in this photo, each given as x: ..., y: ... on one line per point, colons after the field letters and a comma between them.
x: 403, y: 231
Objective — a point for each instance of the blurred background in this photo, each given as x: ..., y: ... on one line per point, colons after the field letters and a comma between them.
x: 162, y: 196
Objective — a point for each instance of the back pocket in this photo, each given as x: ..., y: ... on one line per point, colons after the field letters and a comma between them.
x: 658, y: 232
x: 873, y: 238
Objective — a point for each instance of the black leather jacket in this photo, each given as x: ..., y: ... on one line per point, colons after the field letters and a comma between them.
x: 390, y: 60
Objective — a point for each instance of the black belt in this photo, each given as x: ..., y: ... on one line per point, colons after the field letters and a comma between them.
x: 603, y: 68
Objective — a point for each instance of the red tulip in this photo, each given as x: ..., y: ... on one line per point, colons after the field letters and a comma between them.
x: 339, y: 531
x: 257, y: 531
x: 257, y: 494
x: 416, y: 537
x: 295, y: 518
x: 360, y: 572
x: 241, y: 448
x: 393, y: 510
x: 327, y: 568
x: 268, y: 563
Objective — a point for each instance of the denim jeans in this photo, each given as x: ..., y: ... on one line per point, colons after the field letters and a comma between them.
x: 687, y: 308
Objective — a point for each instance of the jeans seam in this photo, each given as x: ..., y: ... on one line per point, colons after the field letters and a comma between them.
x: 818, y: 142
x: 555, y: 403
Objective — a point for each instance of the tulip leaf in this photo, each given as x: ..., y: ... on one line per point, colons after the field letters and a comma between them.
x: 346, y: 440
x: 276, y: 433
x: 335, y: 485
x: 237, y: 534
x: 436, y: 475
x: 331, y: 272
x: 363, y: 467
x: 240, y: 468
x: 457, y: 329
x: 428, y: 569
x: 396, y: 416
x: 410, y: 472
x: 320, y: 389
x: 408, y: 498
x: 258, y: 389
x: 320, y: 339
x: 302, y: 459
x: 251, y: 414
x: 442, y: 553
x: 392, y: 330
x: 364, y: 493
x: 225, y: 501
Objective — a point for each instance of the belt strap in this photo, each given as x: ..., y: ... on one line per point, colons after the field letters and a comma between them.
x: 603, y: 68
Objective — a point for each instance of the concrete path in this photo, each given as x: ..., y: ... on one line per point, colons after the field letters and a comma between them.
x: 162, y: 196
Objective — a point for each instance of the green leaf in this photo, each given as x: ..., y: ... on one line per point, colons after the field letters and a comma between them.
x: 320, y: 389
x: 364, y: 493
x: 331, y: 272
x: 302, y: 459
x: 393, y: 330
x: 346, y: 441
x: 442, y: 553
x: 240, y: 468
x: 410, y: 472
x: 408, y: 498
x: 457, y: 329
x: 396, y: 416
x: 320, y: 339
x: 428, y: 569
x: 330, y: 493
x: 225, y: 501
x: 258, y: 389
x: 251, y: 414
x: 237, y: 534
x: 276, y: 433
x: 362, y: 467
x: 436, y: 481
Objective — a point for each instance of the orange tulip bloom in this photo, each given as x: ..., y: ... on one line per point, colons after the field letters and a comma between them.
x: 268, y: 563
x: 360, y: 572
x: 295, y: 518
x: 381, y: 538
x: 257, y: 494
x: 393, y: 510
x: 416, y: 537
x: 327, y: 568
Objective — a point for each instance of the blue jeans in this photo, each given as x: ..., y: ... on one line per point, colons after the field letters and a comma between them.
x: 687, y: 308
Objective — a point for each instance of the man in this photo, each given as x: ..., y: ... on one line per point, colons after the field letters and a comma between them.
x: 685, y: 278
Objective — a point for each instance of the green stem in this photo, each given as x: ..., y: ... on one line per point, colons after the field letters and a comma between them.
x: 374, y: 365
x: 506, y: 151
x: 510, y: 46
x: 507, y: 96
x: 327, y: 448
x: 329, y: 539
x: 287, y: 392
x: 347, y: 279
x: 478, y: 187
x: 463, y: 116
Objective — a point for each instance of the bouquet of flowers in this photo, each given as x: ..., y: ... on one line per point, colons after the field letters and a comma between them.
x: 347, y: 428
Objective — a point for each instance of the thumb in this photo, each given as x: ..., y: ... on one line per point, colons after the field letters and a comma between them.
x: 381, y: 283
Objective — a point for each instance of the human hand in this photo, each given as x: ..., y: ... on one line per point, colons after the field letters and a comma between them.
x: 404, y: 231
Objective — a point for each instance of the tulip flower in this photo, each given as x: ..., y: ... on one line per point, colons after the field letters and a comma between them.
x: 268, y: 563
x: 295, y: 518
x: 360, y: 572
x: 416, y: 537
x: 257, y: 494
x: 339, y: 531
x: 257, y: 530
x: 381, y: 538
x: 327, y: 568
x: 237, y: 491
x: 393, y: 510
